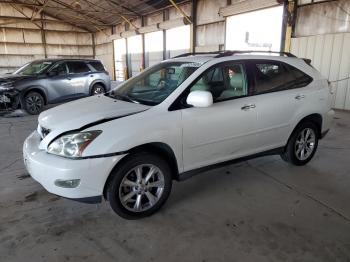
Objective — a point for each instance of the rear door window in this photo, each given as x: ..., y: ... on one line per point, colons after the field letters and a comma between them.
x: 60, y: 69
x: 269, y: 77
x: 77, y: 67
x: 272, y: 76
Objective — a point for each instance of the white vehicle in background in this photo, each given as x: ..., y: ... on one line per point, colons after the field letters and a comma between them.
x: 175, y: 119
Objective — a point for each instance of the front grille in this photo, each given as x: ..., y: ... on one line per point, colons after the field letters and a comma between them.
x: 44, y: 131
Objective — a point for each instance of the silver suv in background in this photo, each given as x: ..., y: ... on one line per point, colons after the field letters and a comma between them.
x: 52, y: 81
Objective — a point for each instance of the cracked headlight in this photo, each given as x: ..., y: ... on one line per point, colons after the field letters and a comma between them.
x: 73, y: 144
x: 6, y: 86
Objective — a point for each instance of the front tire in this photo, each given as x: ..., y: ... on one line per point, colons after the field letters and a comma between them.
x: 34, y: 103
x: 302, y: 144
x: 140, y: 186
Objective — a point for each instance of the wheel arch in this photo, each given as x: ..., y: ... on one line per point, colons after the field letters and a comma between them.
x: 35, y: 89
x: 98, y: 81
x: 157, y: 148
x: 315, y: 118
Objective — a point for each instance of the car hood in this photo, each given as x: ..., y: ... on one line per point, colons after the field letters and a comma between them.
x: 14, y: 78
x: 85, y: 112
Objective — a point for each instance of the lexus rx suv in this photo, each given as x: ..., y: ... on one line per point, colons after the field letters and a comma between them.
x: 175, y: 119
x: 49, y: 81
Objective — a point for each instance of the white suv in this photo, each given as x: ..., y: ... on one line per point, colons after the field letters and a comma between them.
x: 175, y: 119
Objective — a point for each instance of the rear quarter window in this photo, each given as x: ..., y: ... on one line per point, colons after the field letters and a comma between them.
x: 300, y: 78
x: 97, y: 66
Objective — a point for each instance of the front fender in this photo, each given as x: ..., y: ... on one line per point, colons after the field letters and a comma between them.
x: 37, y: 88
x: 126, y: 133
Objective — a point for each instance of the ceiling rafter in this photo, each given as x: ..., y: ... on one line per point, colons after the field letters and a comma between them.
x: 40, y: 10
x: 119, y: 14
x: 90, y: 15
x: 124, y: 7
x: 88, y: 18
x: 24, y: 14
x: 32, y: 7
x: 81, y: 17
x: 60, y: 8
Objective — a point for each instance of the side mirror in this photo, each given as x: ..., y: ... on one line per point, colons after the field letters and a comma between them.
x: 200, y: 98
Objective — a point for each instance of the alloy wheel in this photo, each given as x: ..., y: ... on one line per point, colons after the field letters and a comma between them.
x: 34, y: 104
x: 305, y: 144
x: 98, y: 90
x: 141, y: 188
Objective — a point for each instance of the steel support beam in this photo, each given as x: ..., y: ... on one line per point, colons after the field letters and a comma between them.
x: 178, y: 8
x: 93, y: 45
x: 143, y: 63
x: 165, y: 17
x: 194, y: 26
x: 43, y: 37
x: 289, y: 16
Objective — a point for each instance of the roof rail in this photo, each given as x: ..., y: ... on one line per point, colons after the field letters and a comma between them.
x: 233, y: 52
x: 199, y: 53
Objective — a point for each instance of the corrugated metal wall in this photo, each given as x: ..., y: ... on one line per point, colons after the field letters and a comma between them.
x: 22, y: 41
x: 323, y: 35
x: 210, y: 31
x: 330, y: 54
x: 104, y: 50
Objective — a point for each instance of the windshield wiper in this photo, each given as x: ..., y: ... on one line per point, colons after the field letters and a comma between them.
x: 124, y: 98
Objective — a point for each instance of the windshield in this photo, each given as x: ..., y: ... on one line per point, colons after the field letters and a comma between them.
x: 154, y: 85
x: 34, y: 68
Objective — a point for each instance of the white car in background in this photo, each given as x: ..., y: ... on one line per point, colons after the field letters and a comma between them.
x: 175, y: 119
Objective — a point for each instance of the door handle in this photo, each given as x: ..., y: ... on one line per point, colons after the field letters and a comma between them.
x: 91, y: 75
x: 247, y: 107
x: 298, y: 97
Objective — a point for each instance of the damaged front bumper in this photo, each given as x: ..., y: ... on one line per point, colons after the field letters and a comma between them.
x: 9, y: 99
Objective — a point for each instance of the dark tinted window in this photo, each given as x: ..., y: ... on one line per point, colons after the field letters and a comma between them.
x: 77, y: 67
x: 275, y: 76
x: 97, y: 66
x: 59, y: 69
x: 300, y: 79
x: 269, y: 77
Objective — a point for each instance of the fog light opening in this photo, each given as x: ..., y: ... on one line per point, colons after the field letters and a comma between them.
x: 72, y: 183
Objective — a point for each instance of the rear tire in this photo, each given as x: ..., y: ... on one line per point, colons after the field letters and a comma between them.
x: 140, y: 186
x: 34, y: 103
x: 97, y: 89
x: 302, y: 144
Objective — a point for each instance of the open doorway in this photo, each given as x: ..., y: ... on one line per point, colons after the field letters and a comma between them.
x: 178, y: 41
x: 120, y: 59
x: 153, y: 48
x: 259, y: 30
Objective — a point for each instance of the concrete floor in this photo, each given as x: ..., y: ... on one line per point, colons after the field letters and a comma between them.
x: 259, y: 210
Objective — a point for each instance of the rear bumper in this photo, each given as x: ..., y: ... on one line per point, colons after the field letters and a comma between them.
x: 327, y: 122
x: 47, y: 169
x: 324, y: 133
